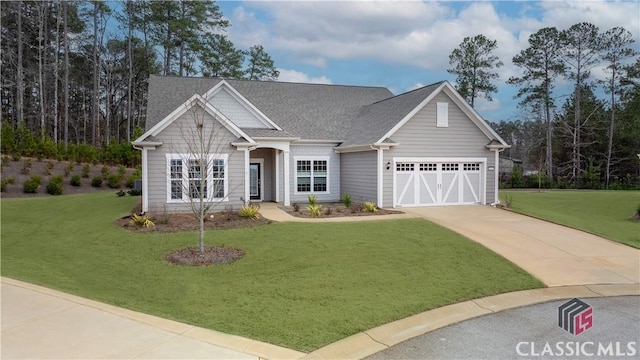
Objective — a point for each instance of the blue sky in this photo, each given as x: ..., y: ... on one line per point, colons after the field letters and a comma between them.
x: 403, y: 45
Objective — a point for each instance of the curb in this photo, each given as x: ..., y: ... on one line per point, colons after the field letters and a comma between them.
x: 232, y: 342
x: 369, y: 342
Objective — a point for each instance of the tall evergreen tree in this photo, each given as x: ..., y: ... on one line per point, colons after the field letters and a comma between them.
x: 261, y: 66
x: 541, y: 64
x: 474, y: 65
x: 616, y: 44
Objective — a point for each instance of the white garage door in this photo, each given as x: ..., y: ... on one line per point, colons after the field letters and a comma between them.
x: 428, y: 182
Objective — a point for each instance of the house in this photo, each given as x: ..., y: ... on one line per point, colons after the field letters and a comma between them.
x: 280, y: 142
x: 507, y: 164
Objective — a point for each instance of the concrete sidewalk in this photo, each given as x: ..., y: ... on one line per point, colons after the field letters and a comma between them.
x: 272, y: 211
x: 40, y: 323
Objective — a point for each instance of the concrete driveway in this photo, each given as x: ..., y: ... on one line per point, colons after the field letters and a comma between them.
x: 555, y: 254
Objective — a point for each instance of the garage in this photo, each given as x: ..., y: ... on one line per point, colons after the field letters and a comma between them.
x: 433, y: 182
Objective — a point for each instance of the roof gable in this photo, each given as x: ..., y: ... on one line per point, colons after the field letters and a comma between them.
x: 195, y: 100
x: 448, y: 89
x: 243, y: 113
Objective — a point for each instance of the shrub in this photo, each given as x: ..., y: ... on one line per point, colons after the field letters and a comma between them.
x: 638, y: 210
x: 296, y: 207
x: 136, y: 175
x: 346, y: 199
x: 11, y: 180
x: 369, y: 206
x: 5, y: 159
x: 134, y: 192
x: 249, y: 212
x: 96, y: 181
x: 122, y: 170
x: 312, y: 199
x: 314, y: 210
x: 50, y: 165
x: 105, y: 172
x: 15, y: 156
x: 508, y: 200
x: 141, y: 221
x: 114, y: 181
x: 31, y: 186
x: 3, y: 186
x: 328, y: 211
x: 75, y: 180
x: 121, y: 193
x: 68, y: 169
x: 54, y: 187
x: 85, y: 170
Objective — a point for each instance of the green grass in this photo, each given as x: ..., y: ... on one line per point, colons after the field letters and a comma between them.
x: 606, y: 213
x: 300, y: 285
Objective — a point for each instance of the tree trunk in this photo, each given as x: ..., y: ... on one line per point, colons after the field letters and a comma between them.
x: 611, y: 129
x: 19, y: 74
x: 56, y: 76
x: 42, y: 14
x: 66, y: 75
x: 96, y: 77
x: 130, y: 82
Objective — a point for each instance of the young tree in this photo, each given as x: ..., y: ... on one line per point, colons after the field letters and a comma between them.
x: 616, y: 42
x: 580, y: 52
x: 260, y: 65
x: 473, y: 66
x: 202, y: 138
x: 541, y: 64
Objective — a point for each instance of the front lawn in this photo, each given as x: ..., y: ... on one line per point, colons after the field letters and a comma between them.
x: 299, y: 285
x: 606, y: 213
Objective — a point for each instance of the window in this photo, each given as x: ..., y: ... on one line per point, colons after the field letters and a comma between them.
x: 404, y: 167
x: 186, y: 175
x: 471, y: 167
x: 428, y: 167
x: 312, y: 175
x: 442, y: 114
x: 449, y: 167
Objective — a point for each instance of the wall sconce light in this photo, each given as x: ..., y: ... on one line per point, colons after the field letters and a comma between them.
x: 388, y: 165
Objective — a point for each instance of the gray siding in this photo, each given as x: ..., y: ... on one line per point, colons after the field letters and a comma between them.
x: 334, y: 171
x: 174, y: 141
x: 358, y: 175
x: 235, y: 111
x: 419, y: 137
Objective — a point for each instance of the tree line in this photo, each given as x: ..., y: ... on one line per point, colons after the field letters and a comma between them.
x: 76, y: 72
x: 588, y: 136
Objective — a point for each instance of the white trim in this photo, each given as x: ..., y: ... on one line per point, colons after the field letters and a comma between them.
x: 442, y: 114
x: 277, y: 166
x: 145, y: 180
x: 185, y: 176
x: 259, y: 161
x: 312, y: 159
x: 287, y: 188
x: 247, y: 160
x: 183, y: 108
x: 483, y: 174
x: 496, y: 178
x: 466, y: 108
x: 242, y: 101
x: 381, y: 165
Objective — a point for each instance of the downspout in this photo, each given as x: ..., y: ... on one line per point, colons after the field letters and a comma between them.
x: 496, y: 175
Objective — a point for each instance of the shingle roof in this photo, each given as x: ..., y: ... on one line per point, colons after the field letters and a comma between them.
x: 308, y: 111
x: 375, y: 120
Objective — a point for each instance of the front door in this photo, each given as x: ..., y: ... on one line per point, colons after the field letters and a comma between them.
x: 255, y: 183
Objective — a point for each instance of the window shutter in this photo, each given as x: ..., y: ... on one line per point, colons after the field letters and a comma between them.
x: 442, y: 114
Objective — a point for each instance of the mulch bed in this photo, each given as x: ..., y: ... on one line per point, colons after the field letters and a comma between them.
x: 336, y: 210
x: 188, y: 221
x: 213, y: 255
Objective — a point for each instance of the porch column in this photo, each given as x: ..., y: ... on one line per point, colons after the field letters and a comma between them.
x: 287, y: 189
x: 145, y: 181
x: 277, y: 167
x: 247, y: 195
x: 380, y: 178
x: 496, y: 174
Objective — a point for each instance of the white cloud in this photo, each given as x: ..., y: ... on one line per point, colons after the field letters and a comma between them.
x: 300, y: 77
